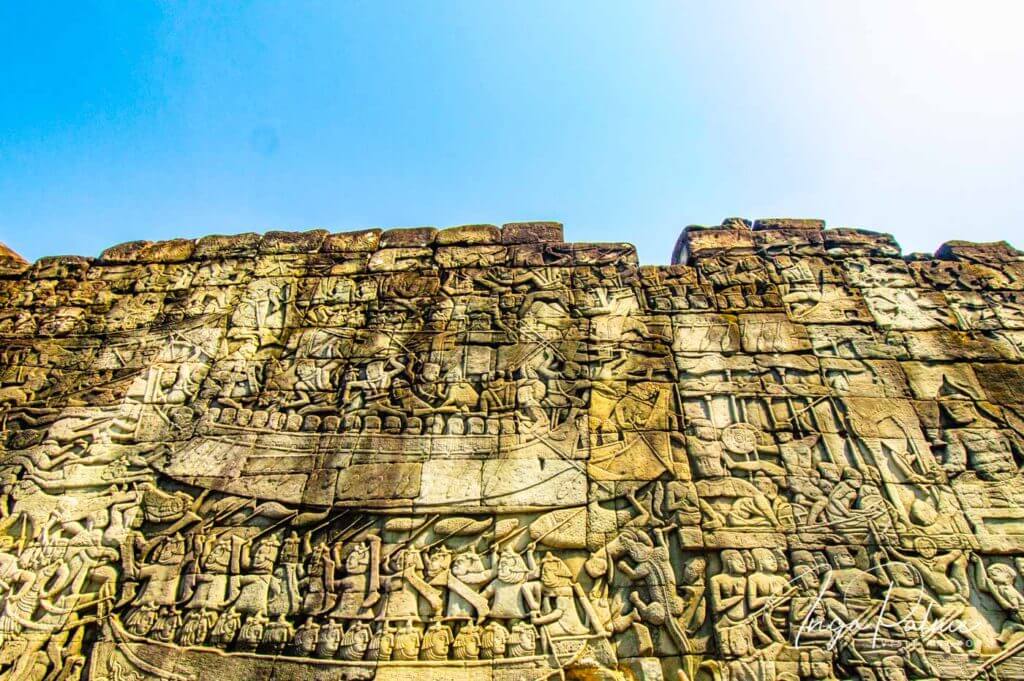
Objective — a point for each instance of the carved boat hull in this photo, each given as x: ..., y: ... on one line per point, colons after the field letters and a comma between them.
x: 175, y: 663
x: 481, y: 473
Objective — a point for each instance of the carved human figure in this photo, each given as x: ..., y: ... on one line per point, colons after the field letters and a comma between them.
x: 355, y: 642
x: 329, y: 638
x: 681, y: 504
x: 530, y: 414
x: 764, y: 508
x: 289, y: 574
x: 729, y: 604
x: 407, y: 643
x: 693, y: 592
x: 238, y: 377
x: 254, y: 584
x: 997, y: 580
x: 250, y: 636
x: 405, y: 585
x: 515, y: 592
x: 806, y: 606
x: 945, y: 575
x: 160, y: 578
x: 196, y: 627
x: 318, y: 595
x: 498, y: 396
x: 226, y: 629
x: 14, y: 578
x: 460, y: 394
x: 306, y: 637
x: 848, y: 589
x: 767, y: 594
x: 559, y: 597
x: 493, y: 640
x: 466, y: 575
x: 166, y: 628
x: 437, y: 641
x: 358, y: 589
x: 976, y: 443
x: 382, y: 645
x: 375, y: 388
x: 467, y: 643
x: 211, y: 580
x: 842, y: 500
x: 704, y: 449
x: 522, y: 640
x: 800, y: 459
x: 568, y: 390
x: 650, y: 564
x: 141, y: 620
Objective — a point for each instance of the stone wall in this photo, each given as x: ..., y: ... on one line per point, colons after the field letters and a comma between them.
x: 484, y: 453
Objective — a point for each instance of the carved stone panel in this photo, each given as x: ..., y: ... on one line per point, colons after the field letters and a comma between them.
x: 485, y: 453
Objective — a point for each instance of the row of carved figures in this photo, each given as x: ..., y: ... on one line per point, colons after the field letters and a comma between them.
x: 390, y: 424
x: 330, y: 638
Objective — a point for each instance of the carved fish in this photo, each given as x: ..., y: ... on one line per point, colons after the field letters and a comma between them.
x: 403, y: 524
x: 563, y: 529
x: 505, y: 527
x: 460, y: 527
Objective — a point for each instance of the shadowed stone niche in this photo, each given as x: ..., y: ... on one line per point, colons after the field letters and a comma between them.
x: 485, y: 454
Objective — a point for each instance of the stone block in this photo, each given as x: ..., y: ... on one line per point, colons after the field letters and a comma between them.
x: 468, y: 235
x: 786, y: 224
x: 491, y: 454
x: 531, y: 232
x: 408, y: 237
x: 233, y: 246
x: 292, y: 242
x: 362, y: 241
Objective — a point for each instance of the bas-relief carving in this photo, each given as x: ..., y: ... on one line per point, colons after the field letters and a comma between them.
x: 483, y: 453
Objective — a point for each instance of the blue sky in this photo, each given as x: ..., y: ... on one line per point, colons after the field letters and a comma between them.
x: 625, y: 121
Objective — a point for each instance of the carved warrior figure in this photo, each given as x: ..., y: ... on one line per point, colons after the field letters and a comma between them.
x: 793, y: 454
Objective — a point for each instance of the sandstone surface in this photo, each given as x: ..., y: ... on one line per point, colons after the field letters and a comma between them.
x: 487, y: 454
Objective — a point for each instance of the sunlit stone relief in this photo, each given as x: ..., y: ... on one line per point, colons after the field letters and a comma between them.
x: 485, y: 453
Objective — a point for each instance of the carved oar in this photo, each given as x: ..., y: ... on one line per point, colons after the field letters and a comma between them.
x: 352, y: 530
x: 329, y: 520
x: 999, y: 658
x: 227, y: 512
x: 273, y: 527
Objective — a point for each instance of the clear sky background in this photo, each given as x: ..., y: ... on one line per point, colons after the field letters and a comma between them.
x: 626, y: 121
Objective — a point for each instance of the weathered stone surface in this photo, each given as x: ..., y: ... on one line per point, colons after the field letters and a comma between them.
x: 364, y: 241
x: 220, y: 246
x: 468, y: 235
x: 292, y: 242
x: 789, y: 223
x: 175, y: 250
x: 9, y: 258
x: 531, y: 232
x: 408, y: 237
x: 489, y: 454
